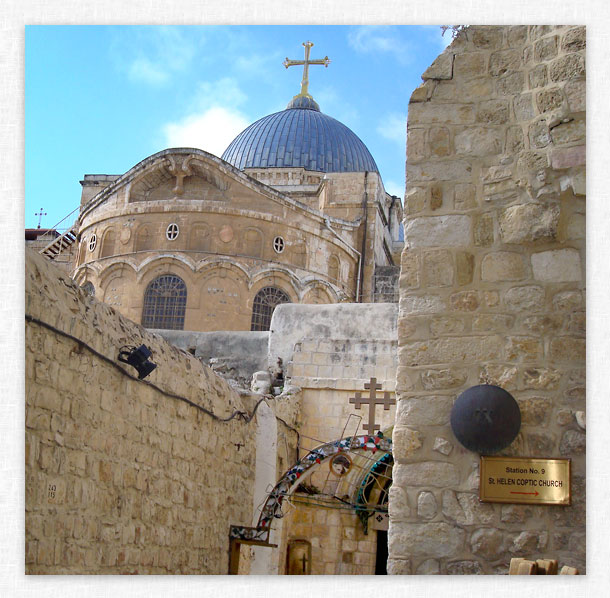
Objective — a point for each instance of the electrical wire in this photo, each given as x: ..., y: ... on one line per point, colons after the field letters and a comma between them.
x: 243, y: 415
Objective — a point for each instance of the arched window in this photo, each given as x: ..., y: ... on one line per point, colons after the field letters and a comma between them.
x: 165, y: 303
x: 264, y: 303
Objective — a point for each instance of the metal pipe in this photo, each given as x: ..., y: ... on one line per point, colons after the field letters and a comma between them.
x: 365, y: 201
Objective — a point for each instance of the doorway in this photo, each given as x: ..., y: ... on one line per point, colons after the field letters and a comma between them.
x: 381, y: 561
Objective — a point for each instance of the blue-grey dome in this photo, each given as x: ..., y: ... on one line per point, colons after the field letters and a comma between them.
x: 300, y: 137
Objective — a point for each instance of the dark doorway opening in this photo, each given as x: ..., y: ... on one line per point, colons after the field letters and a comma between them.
x: 381, y: 562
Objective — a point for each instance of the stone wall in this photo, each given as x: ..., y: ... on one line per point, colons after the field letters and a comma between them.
x: 386, y: 284
x: 492, y: 291
x: 66, y: 260
x: 235, y: 355
x: 120, y: 477
x: 338, y: 543
x: 292, y: 323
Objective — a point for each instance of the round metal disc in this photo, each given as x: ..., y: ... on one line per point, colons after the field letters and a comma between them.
x: 485, y: 419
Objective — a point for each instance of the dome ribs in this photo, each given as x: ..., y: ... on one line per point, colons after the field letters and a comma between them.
x: 299, y: 138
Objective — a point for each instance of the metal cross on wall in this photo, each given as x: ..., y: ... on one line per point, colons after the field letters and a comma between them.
x: 305, y: 82
x: 372, y: 402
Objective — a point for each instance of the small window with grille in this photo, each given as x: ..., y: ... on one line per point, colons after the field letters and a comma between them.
x: 92, y: 242
x: 265, y: 302
x: 165, y: 303
x: 172, y: 231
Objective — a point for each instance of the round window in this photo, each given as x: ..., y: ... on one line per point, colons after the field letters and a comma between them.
x: 172, y: 231
x: 92, y: 242
x: 278, y: 244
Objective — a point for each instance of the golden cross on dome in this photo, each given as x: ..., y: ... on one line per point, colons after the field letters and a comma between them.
x: 305, y: 82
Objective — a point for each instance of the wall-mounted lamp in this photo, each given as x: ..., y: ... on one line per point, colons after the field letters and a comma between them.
x: 138, y: 358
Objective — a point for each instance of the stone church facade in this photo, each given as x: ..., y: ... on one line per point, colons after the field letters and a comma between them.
x: 188, y: 241
x: 196, y: 471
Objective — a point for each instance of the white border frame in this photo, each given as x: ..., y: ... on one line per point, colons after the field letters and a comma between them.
x: 17, y: 13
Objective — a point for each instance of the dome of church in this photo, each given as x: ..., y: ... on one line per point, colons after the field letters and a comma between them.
x: 300, y: 137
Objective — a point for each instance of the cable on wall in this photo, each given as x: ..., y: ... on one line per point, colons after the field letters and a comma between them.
x: 243, y: 415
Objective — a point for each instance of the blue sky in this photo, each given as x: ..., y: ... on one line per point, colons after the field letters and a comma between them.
x: 98, y: 99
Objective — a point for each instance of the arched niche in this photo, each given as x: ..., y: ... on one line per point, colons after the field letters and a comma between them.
x: 334, y: 269
x: 200, y: 238
x: 108, y: 243
x: 252, y: 244
x: 144, y: 238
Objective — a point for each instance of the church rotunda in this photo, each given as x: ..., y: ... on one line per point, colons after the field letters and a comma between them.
x: 294, y: 211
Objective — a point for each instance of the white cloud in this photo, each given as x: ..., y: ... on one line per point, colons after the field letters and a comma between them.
x: 151, y: 55
x: 224, y: 92
x: 211, y: 130
x: 374, y: 39
x: 142, y: 69
x: 258, y: 65
x: 394, y: 128
x: 214, y: 119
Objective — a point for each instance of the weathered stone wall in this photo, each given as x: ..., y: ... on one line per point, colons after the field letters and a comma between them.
x: 121, y: 478
x: 339, y: 545
x: 235, y: 355
x: 66, y: 260
x: 386, y: 284
x: 292, y: 323
x: 492, y: 291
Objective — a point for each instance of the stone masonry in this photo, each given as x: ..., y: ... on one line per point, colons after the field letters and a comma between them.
x: 328, y: 353
x: 492, y: 290
x: 121, y: 478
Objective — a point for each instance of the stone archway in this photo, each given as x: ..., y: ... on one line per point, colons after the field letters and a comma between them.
x: 354, y: 474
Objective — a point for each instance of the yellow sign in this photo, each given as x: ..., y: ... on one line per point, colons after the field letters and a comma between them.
x: 525, y: 480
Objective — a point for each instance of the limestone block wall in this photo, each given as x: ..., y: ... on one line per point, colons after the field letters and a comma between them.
x: 120, y: 477
x: 329, y: 372
x: 492, y: 290
x: 338, y: 543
